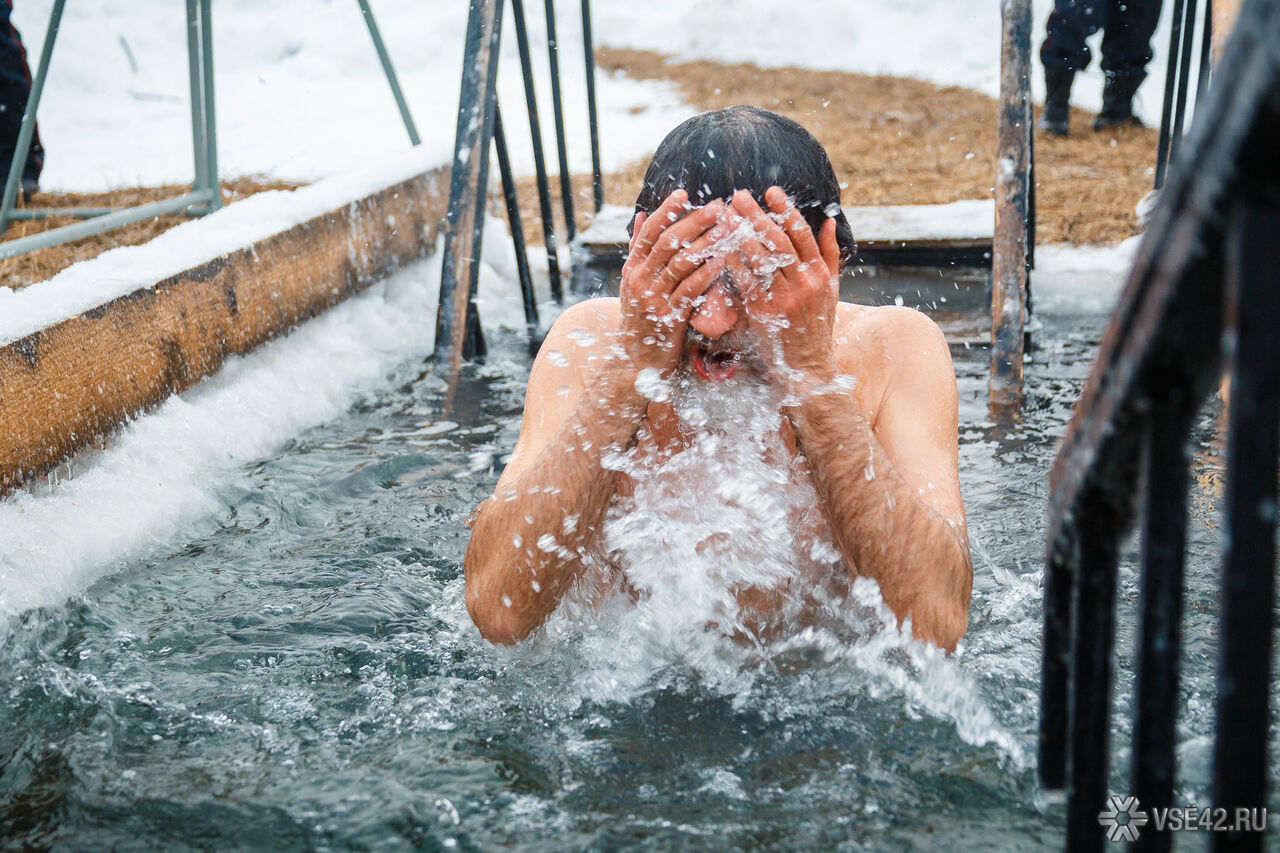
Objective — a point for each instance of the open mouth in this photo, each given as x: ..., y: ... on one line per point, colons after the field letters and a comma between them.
x: 716, y: 364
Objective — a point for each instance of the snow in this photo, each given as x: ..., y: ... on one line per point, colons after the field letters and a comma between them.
x: 961, y: 220
x: 301, y: 95
x: 948, y: 43
x: 609, y: 225
x: 1081, y: 279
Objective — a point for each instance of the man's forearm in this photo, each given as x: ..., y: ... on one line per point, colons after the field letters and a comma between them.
x: 529, y: 539
x: 882, y: 527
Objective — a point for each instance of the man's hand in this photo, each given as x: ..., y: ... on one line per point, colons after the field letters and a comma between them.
x: 798, y: 309
x: 666, y: 272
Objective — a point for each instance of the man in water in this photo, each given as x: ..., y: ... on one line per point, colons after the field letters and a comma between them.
x: 731, y: 285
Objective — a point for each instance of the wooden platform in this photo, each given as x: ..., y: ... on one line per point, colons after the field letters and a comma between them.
x: 932, y: 235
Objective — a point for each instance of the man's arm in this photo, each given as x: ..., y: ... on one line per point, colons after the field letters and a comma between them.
x: 892, y: 493
x: 889, y: 484
x: 529, y: 538
x: 528, y: 541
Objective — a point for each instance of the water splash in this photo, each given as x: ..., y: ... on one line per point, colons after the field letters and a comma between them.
x: 729, y: 580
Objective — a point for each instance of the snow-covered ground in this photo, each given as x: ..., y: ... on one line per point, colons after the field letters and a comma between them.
x: 300, y: 92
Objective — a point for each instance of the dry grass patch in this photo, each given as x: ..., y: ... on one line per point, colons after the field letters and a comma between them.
x: 894, y: 140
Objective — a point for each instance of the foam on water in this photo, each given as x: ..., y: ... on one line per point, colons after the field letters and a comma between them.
x: 733, y: 511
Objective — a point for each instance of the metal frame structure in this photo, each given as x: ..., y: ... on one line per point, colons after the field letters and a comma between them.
x: 394, y: 82
x: 458, y: 333
x: 1202, y: 293
x: 1173, y: 112
x: 205, y: 196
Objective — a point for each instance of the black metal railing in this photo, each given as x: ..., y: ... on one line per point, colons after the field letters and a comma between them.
x: 1203, y: 294
x: 458, y: 334
x: 1177, y: 79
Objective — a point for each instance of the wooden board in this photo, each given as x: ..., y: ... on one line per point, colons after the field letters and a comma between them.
x: 955, y: 234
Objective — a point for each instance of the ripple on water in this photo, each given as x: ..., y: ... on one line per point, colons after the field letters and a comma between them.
x: 303, y: 675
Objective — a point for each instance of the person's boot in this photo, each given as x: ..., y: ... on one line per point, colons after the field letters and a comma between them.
x: 1117, y: 101
x: 1057, y: 100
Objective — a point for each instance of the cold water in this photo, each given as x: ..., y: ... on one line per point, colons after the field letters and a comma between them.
x: 295, y: 669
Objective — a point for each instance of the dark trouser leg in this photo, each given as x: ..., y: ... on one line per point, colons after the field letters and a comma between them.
x: 1063, y: 53
x: 15, y: 88
x: 1070, y: 23
x: 1126, y: 42
x: 1126, y: 50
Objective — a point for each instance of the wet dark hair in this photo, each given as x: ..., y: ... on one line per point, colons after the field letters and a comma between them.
x: 714, y: 154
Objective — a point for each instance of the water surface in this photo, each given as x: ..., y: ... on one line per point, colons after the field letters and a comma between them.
x: 300, y: 672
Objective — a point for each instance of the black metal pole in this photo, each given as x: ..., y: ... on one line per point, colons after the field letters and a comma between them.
x: 1031, y: 201
x: 517, y: 230
x: 1248, y: 574
x: 458, y: 334
x: 1184, y: 82
x: 1170, y: 82
x: 539, y: 161
x: 597, y: 175
x: 1093, y: 613
x: 557, y: 108
x: 1160, y: 630
x: 1031, y: 221
x: 1060, y: 571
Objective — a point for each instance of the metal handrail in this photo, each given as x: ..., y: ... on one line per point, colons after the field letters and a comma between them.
x: 458, y: 336
x: 1201, y: 291
x: 394, y: 82
x: 1177, y: 79
x: 205, y: 196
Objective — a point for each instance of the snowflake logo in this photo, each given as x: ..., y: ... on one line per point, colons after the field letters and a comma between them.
x: 1122, y: 818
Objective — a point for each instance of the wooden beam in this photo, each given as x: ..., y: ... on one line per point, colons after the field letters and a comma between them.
x: 1009, y: 244
x: 66, y: 386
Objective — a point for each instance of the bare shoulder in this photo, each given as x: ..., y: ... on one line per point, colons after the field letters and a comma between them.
x: 578, y: 339
x: 577, y: 345
x: 596, y: 317
x: 889, y: 349
x: 893, y: 329
x: 890, y: 337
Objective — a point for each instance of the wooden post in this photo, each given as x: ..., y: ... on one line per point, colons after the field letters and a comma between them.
x: 457, y: 323
x: 1009, y: 246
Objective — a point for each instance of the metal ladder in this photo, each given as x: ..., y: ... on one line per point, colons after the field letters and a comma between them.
x: 1203, y: 293
x: 204, y: 196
